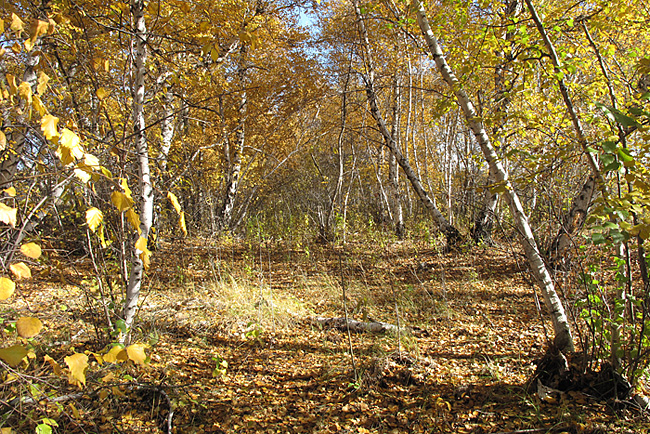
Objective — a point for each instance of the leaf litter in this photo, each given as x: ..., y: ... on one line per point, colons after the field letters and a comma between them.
x: 234, y: 349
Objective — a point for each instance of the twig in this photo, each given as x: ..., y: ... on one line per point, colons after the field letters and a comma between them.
x: 347, y: 322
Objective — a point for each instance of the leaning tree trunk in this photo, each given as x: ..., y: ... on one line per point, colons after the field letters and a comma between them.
x: 572, y: 222
x: 563, y: 337
x: 451, y: 233
x: 142, y: 153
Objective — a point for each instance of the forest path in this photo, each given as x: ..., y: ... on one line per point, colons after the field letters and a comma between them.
x: 207, y: 303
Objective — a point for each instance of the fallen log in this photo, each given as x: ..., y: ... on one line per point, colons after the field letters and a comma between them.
x: 360, y: 326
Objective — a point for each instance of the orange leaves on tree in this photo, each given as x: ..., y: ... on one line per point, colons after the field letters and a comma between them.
x: 13, y: 355
x: 28, y: 326
x: 31, y: 250
x: 77, y: 363
x: 13, y: 87
x: 25, y: 92
x: 20, y: 270
x: 101, y: 93
x: 7, y: 288
x: 8, y: 215
x: 38, y: 29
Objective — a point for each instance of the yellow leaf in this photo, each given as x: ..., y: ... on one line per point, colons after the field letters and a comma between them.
x: 133, y: 218
x: 3, y: 141
x: 38, y: 105
x: 75, y: 412
x: 54, y: 364
x: 7, y: 288
x: 141, y: 244
x: 42, y: 82
x: 29, y: 44
x: 13, y: 87
x: 136, y: 353
x: 16, y: 48
x: 5, y: 430
x: 72, y: 142
x: 82, y: 173
x: 17, y: 25
x: 145, y: 253
x: 181, y: 222
x: 64, y: 155
x: 145, y: 257
x: 174, y: 200
x: 48, y: 126
x: 107, y: 65
x: 31, y: 250
x: 94, y: 218
x: 91, y: 161
x: 13, y: 355
x: 101, y: 93
x: 116, y: 354
x: 28, y: 326
x: 125, y: 187
x: 77, y: 363
x: 38, y: 28
x: 2, y: 30
x: 25, y: 92
x: 11, y: 191
x: 121, y: 201
x: 8, y: 215
x: 20, y: 270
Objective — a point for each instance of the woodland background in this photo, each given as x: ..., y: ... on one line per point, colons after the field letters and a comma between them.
x: 209, y: 164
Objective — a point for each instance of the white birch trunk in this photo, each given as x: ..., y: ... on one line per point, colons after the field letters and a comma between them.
x: 563, y: 337
x: 393, y: 173
x: 451, y: 233
x: 225, y: 215
x: 142, y: 153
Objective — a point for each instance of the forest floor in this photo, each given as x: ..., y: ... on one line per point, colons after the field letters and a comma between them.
x: 235, y: 348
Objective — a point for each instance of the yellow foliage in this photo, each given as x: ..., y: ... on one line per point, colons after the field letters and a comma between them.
x: 77, y: 363
x: 8, y: 215
x: 20, y: 270
x: 28, y: 326
x: 31, y: 250
x: 94, y: 218
x: 7, y: 288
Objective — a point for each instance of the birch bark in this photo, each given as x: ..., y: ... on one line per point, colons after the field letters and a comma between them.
x: 225, y: 215
x: 451, y: 233
x: 563, y: 337
x: 142, y: 153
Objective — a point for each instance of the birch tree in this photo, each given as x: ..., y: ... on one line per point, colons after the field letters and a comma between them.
x: 451, y: 233
x: 563, y: 337
x: 141, y: 254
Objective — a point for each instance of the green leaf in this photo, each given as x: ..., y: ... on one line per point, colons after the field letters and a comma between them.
x: 597, y: 238
x: 623, y: 119
x: 624, y: 155
x: 609, y: 146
